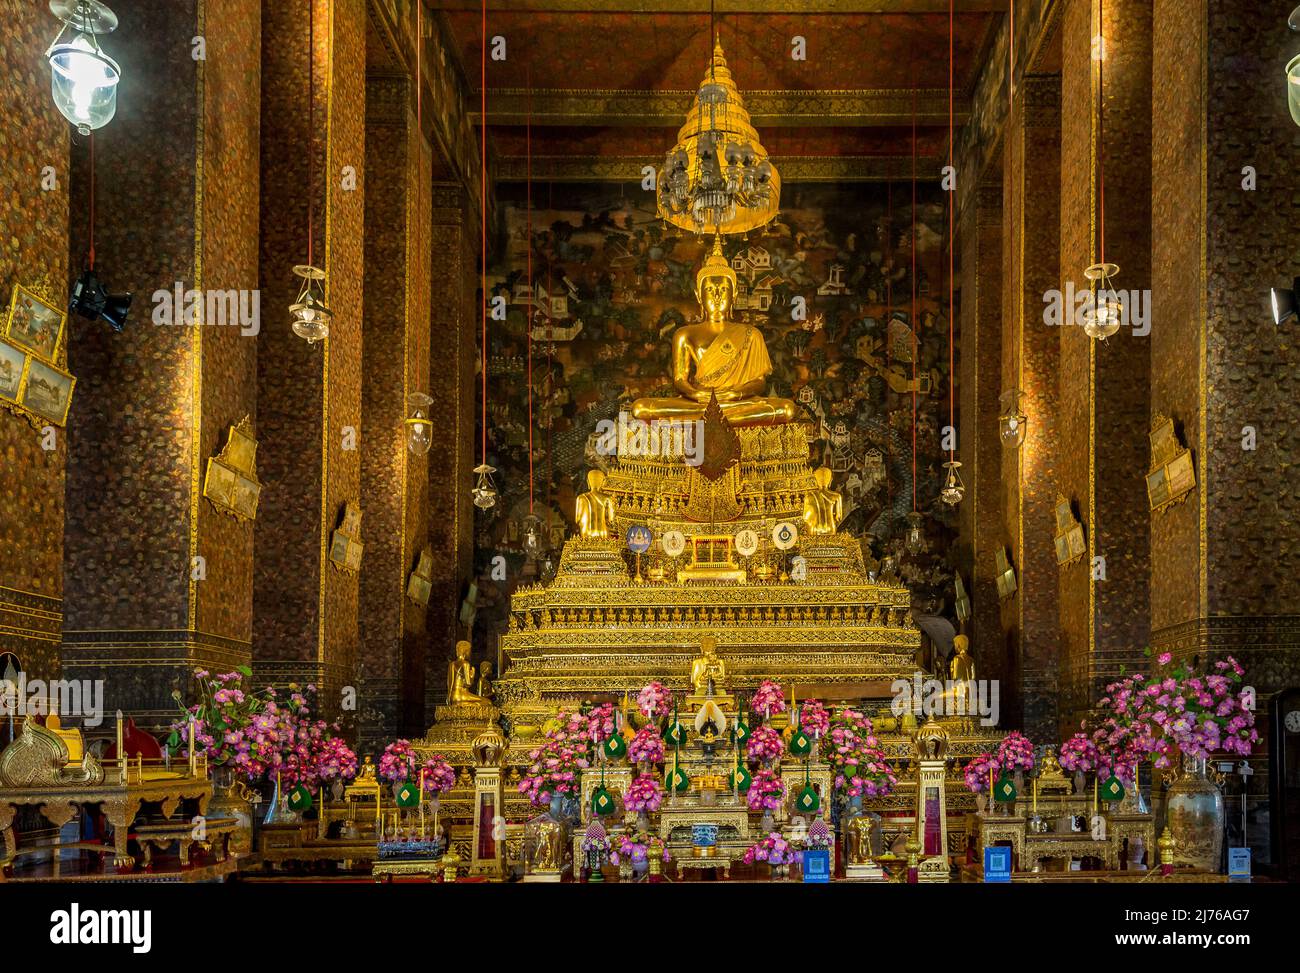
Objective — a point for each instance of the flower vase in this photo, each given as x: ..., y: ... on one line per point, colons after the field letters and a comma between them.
x: 767, y: 824
x: 645, y: 767
x: 624, y: 870
x: 231, y: 799
x: 1080, y: 782
x: 643, y: 821
x: 1194, y: 812
x: 1019, y: 778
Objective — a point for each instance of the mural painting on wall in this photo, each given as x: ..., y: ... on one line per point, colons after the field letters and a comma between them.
x: 610, y: 285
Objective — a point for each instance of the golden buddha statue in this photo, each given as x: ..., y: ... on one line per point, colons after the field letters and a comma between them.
x: 594, y: 510
x: 484, y: 687
x: 718, y: 357
x: 708, y: 672
x: 961, y: 667
x: 460, y: 677
x: 823, y: 508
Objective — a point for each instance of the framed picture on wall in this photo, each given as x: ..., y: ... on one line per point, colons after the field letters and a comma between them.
x: 47, y: 391
x: 12, y: 362
x: 34, y: 325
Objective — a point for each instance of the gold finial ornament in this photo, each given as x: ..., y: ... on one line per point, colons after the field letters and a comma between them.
x: 718, y: 177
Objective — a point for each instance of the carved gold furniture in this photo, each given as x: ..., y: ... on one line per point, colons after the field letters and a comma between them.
x: 48, y: 767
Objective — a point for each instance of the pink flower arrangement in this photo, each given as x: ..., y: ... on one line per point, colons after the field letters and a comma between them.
x: 767, y: 699
x: 814, y: 719
x: 439, y: 775
x: 765, y: 745
x: 1015, y: 752
x: 635, y: 850
x: 655, y: 700
x: 221, y: 718
x: 556, y: 765
x: 773, y: 849
x: 854, y: 753
x: 336, y: 760
x: 1184, y: 713
x: 602, y: 722
x: 644, y: 794
x: 647, y: 746
x: 1079, y: 754
x: 979, y: 770
x: 766, y: 792
x: 400, y: 762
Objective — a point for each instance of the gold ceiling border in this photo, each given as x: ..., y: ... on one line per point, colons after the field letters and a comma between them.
x: 794, y: 169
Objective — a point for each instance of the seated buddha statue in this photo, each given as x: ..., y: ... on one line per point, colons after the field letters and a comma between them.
x: 718, y: 357
x: 708, y: 672
x: 460, y: 677
x: 823, y: 508
x: 594, y: 510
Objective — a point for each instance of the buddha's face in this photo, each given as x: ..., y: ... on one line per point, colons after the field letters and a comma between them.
x: 715, y: 295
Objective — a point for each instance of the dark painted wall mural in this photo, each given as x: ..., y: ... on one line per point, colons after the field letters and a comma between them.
x: 610, y: 283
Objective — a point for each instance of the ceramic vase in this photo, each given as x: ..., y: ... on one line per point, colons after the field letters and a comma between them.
x: 1194, y: 811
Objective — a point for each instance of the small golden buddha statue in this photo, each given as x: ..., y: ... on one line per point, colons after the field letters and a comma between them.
x: 718, y: 357
x: 460, y: 677
x: 484, y: 687
x: 823, y: 508
x: 594, y: 510
x: 549, y: 854
x: 962, y: 665
x: 708, y: 672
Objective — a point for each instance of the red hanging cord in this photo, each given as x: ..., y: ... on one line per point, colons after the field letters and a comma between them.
x: 91, y: 254
x: 913, y: 317
x: 889, y: 259
x: 483, y: 212
x: 528, y: 325
x: 1101, y: 131
x: 311, y: 130
x: 952, y: 221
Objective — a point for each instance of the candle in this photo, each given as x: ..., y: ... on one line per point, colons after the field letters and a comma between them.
x: 191, y: 721
x: 421, y: 802
x: 1035, y: 795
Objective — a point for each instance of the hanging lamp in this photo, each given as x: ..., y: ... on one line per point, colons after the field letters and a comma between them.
x: 311, y: 314
x: 1103, y: 313
x: 1013, y: 424
x: 83, y: 79
x: 953, y: 488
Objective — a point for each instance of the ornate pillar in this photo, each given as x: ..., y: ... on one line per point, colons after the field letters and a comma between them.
x: 309, y: 396
x: 979, y: 386
x: 159, y: 581
x: 34, y: 226
x: 1032, y: 191
x: 394, y: 481
x: 1226, y: 198
x: 453, y: 386
x: 1104, y: 596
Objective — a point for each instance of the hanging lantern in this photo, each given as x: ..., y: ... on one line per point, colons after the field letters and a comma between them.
x: 484, y: 492
x: 1103, y: 315
x: 1293, y: 72
x: 311, y: 316
x: 915, y: 542
x: 419, y: 428
x: 1012, y: 423
x: 953, y: 489
x: 533, y: 535
x: 83, y: 79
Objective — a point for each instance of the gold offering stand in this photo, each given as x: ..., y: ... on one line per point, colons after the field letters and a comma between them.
x: 49, y: 767
x: 1038, y: 827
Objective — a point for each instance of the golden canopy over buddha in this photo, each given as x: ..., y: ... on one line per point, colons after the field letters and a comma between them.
x: 718, y: 357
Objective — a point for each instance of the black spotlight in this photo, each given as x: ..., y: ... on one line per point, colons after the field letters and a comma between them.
x: 1286, y: 303
x: 91, y: 301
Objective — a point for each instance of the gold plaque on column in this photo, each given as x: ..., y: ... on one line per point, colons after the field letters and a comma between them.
x: 346, y: 546
x: 231, y: 483
x: 1006, y: 575
x: 1172, y: 475
x: 1071, y: 545
x: 420, y: 585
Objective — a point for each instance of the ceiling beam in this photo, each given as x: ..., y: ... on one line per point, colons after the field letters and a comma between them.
x: 767, y: 109
x: 794, y: 169
x: 695, y: 8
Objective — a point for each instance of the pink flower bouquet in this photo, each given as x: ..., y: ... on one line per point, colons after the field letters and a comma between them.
x: 814, y: 719
x: 439, y: 775
x: 1079, y: 754
x: 655, y: 700
x: 644, y: 794
x: 646, y: 747
x: 979, y: 770
x: 602, y: 722
x: 1015, y: 752
x: 556, y: 765
x: 774, y: 850
x: 767, y: 699
x: 766, y: 792
x: 765, y: 745
x: 855, y: 755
